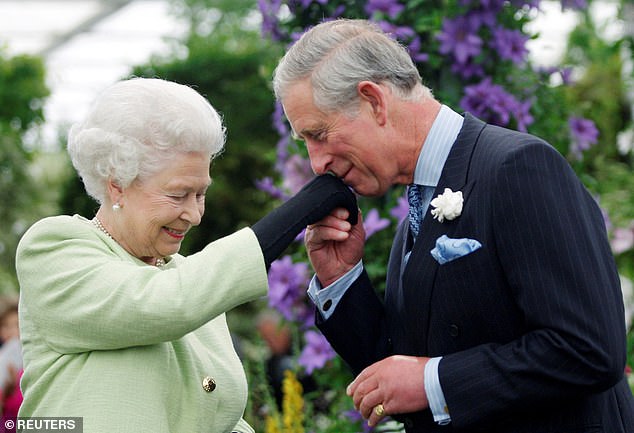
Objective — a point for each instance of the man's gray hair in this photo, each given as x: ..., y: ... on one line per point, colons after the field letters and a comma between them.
x: 337, y: 55
x: 135, y: 127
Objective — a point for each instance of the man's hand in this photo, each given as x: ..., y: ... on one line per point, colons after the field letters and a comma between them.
x: 396, y: 382
x: 334, y: 246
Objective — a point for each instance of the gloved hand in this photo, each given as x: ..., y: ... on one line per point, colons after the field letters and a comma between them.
x: 313, y: 202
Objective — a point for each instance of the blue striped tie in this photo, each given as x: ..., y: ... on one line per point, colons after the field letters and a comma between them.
x: 415, y: 215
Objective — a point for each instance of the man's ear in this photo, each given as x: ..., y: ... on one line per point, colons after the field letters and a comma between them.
x: 376, y: 97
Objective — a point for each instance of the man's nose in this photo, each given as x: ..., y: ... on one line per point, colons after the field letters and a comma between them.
x: 319, y: 160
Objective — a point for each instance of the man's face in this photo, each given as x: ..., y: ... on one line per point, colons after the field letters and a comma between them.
x: 354, y: 149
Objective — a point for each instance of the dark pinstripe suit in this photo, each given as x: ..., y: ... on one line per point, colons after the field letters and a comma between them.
x: 531, y: 325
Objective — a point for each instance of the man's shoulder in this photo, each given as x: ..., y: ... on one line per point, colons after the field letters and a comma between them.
x: 504, y: 141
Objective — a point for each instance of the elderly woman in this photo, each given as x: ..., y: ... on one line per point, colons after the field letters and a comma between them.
x: 117, y: 327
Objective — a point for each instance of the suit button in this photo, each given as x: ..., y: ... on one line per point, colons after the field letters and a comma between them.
x: 454, y: 331
x: 209, y: 384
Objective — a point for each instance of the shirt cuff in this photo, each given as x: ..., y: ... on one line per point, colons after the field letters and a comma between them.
x: 435, y: 396
x: 327, y: 298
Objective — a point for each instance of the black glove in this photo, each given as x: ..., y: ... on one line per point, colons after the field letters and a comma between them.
x: 313, y: 202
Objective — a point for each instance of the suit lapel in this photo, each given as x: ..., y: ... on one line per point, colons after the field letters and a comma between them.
x: 420, y: 272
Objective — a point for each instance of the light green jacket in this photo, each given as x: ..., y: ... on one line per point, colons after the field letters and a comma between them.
x: 126, y: 345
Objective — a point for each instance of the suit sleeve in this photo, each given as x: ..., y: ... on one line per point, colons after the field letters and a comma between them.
x: 554, y: 253
x: 356, y: 329
x: 82, y: 296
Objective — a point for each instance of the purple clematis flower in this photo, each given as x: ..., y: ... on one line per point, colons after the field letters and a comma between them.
x: 402, y: 33
x: 565, y: 73
x: 566, y: 76
x: 495, y: 105
x: 510, y: 44
x: 355, y: 416
x: 297, y: 171
x: 268, y: 186
x: 287, y: 287
x: 479, y: 18
x: 414, y: 48
x: 622, y: 239
x: 476, y: 99
x: 306, y: 3
x: 468, y: 70
x: 279, y: 119
x: 408, y: 36
x: 401, y: 209
x: 584, y: 134
x: 373, y: 223
x: 523, y: 115
x: 389, y: 7
x: 316, y: 352
x: 269, y: 10
x: 574, y: 4
x: 458, y: 37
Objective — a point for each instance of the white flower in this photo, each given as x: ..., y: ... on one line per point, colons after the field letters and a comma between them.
x: 447, y: 205
x: 625, y: 141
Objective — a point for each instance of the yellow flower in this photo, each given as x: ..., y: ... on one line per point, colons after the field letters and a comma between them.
x: 272, y: 424
x: 292, y: 404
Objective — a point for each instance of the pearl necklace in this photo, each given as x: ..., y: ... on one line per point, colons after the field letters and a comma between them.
x: 159, y: 261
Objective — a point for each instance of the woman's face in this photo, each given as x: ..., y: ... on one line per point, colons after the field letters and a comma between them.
x: 157, y: 212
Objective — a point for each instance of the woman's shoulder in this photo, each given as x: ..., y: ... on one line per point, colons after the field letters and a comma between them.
x: 57, y: 226
x: 61, y: 222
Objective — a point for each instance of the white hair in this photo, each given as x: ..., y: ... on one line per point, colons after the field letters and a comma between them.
x: 337, y: 55
x: 135, y: 126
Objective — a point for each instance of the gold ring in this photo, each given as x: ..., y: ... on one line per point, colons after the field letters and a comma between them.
x: 379, y: 410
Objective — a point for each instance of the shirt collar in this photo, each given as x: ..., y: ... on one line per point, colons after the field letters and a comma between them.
x: 442, y: 135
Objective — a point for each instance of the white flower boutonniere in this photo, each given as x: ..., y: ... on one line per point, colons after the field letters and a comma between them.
x: 447, y: 205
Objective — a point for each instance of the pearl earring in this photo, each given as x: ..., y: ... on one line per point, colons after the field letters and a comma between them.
x: 116, y: 207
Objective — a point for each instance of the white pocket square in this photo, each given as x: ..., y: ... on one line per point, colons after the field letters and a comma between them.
x: 448, y: 249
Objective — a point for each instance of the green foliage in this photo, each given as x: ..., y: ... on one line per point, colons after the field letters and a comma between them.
x: 74, y: 199
x: 15, y: 190
x: 600, y: 93
x: 22, y: 92
x: 222, y: 18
